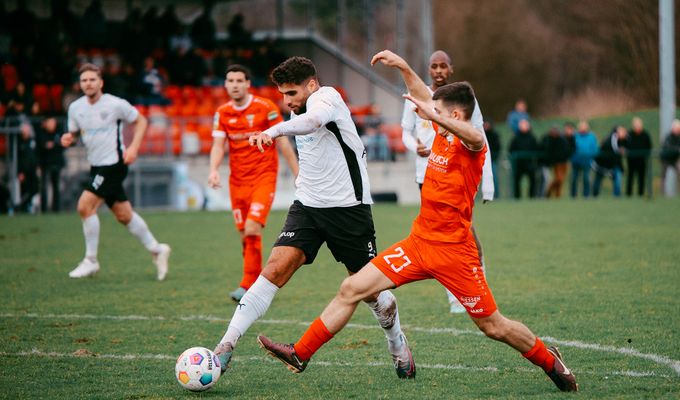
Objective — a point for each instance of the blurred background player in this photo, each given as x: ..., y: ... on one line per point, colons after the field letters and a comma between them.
x: 440, y: 245
x: 333, y: 205
x: 252, y: 179
x: 96, y: 118
x: 418, y: 135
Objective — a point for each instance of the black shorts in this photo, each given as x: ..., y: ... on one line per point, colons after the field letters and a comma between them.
x: 347, y: 231
x: 107, y: 182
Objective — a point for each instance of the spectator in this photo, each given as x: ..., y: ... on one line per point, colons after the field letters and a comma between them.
x: 169, y: 24
x: 117, y: 84
x: 516, y: 115
x: 609, y: 161
x: 586, y: 149
x: 555, y: 153
x: 375, y: 142
x: 27, y: 165
x: 20, y: 102
x: 238, y: 34
x: 51, y: 160
x: 523, y: 152
x: 494, y: 141
x: 152, y: 84
x: 203, y: 29
x: 93, y: 26
x: 639, y: 148
x: 670, y: 160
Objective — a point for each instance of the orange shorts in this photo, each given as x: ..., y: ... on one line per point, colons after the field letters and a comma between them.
x: 251, y: 202
x: 454, y: 265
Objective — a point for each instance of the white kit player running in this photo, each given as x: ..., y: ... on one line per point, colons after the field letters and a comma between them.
x: 418, y: 135
x: 97, y: 118
x: 333, y: 205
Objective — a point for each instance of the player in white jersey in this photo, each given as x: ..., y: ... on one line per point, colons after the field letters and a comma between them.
x: 97, y: 119
x: 418, y: 135
x: 333, y: 205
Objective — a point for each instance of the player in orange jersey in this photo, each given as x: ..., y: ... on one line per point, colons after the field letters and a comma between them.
x: 440, y: 245
x: 252, y: 181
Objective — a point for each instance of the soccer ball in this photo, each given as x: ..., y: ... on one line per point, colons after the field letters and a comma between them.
x: 197, y: 369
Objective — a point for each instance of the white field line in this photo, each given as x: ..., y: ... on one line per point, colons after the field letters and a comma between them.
x: 627, y: 351
x: 263, y: 358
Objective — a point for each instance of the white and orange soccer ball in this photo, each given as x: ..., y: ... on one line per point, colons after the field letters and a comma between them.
x: 197, y: 369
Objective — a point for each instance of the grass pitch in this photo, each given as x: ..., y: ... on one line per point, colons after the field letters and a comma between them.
x: 598, y: 278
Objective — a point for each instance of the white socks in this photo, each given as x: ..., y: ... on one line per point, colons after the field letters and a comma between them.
x: 252, y: 306
x: 386, y: 312
x: 91, y: 233
x: 141, y: 231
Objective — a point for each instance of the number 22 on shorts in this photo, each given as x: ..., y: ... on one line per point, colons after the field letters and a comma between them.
x: 399, y: 257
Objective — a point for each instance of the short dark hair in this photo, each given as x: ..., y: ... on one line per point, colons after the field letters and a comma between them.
x: 90, y: 67
x: 457, y: 94
x: 294, y: 70
x: 569, y: 124
x: 239, y: 68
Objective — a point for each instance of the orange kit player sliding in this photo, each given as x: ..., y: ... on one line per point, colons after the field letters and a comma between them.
x: 440, y: 246
x: 252, y: 180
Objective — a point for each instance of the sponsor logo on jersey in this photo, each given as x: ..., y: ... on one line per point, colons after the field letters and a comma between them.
x: 250, y: 118
x: 477, y: 311
x: 272, y: 115
x: 287, y: 234
x: 233, y: 120
x: 438, y: 162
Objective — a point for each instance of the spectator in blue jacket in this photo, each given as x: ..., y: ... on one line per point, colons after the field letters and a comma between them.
x: 517, y: 114
x: 586, y: 150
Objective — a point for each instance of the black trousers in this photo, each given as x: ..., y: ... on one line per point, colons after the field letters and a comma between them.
x: 637, y: 168
x: 50, y: 180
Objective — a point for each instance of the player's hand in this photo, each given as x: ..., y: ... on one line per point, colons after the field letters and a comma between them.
x: 424, y: 109
x: 129, y: 155
x: 390, y: 59
x: 421, y: 150
x: 214, y: 180
x: 66, y: 139
x: 260, y: 140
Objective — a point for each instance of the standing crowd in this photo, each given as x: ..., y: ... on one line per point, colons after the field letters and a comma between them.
x: 622, y: 152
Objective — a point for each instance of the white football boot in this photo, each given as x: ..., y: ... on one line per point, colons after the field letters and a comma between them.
x: 84, y: 269
x: 161, y: 260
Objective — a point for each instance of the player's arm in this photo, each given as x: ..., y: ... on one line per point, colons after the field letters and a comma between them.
x: 465, y: 131
x: 408, y: 127
x: 318, y: 114
x: 416, y: 87
x: 139, y: 127
x: 73, y: 133
x: 216, y: 157
x: 288, y: 154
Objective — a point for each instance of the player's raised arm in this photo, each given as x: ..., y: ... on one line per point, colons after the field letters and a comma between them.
x: 416, y: 87
x: 451, y: 120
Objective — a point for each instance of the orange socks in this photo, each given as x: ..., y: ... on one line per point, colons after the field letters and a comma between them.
x: 540, y: 356
x: 316, y: 336
x: 252, y: 260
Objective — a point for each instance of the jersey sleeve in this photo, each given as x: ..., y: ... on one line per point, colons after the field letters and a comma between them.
x: 218, y: 129
x: 323, y: 105
x: 408, y: 125
x: 126, y: 111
